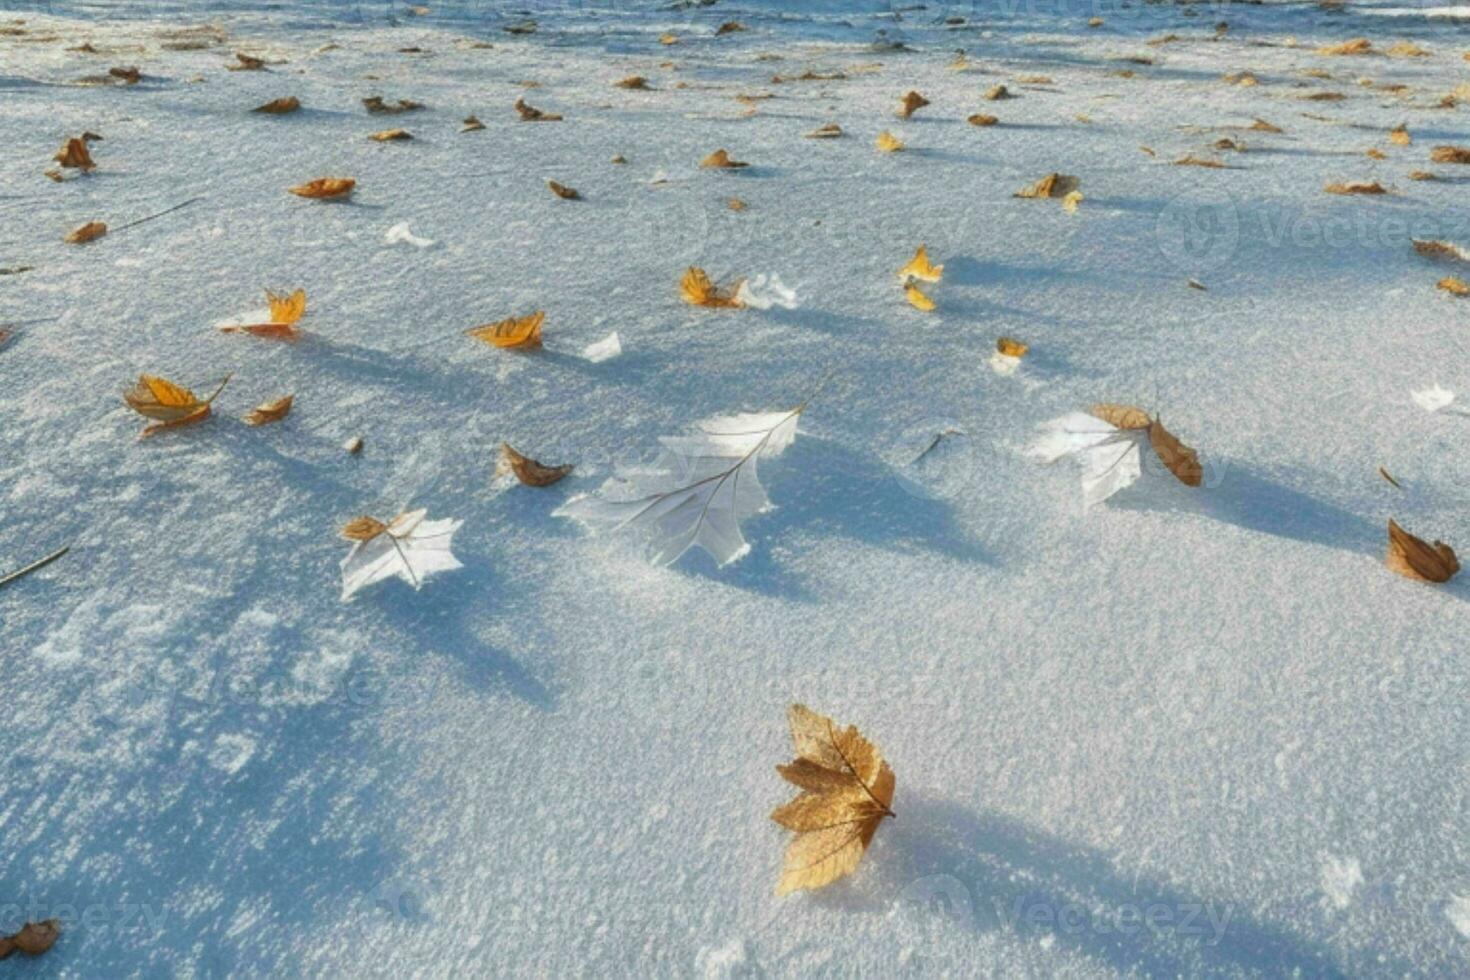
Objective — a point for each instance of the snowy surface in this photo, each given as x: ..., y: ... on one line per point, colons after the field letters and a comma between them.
x: 1191, y: 731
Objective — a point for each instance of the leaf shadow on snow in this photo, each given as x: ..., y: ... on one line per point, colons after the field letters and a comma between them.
x: 942, y: 865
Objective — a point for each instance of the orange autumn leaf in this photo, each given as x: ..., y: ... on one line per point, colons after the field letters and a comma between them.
x: 697, y: 290
x: 530, y: 113
x: 919, y: 267
x: 917, y: 299
x: 75, y: 155
x: 982, y: 119
x: 1180, y: 460
x: 326, y: 188
x: 721, y: 160
x: 1052, y: 185
x: 512, y: 332
x: 1356, y: 187
x: 390, y: 136
x: 89, y: 232
x: 168, y: 404
x: 279, y: 107
x: 527, y: 470
x: 1455, y: 286
x: 1011, y: 348
x: 1417, y: 559
x: 362, y: 529
x: 888, y: 143
x: 33, y: 939
x: 272, y: 411
x: 285, y: 313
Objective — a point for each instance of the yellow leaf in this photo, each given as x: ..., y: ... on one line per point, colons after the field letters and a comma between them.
x: 1011, y: 348
x: 1070, y: 202
x: 91, y: 231
x: 272, y: 411
x: 1356, y: 187
x: 326, y: 188
x: 513, y: 332
x: 847, y: 790
x: 168, y: 404
x: 888, y: 143
x: 390, y: 136
x: 697, y: 290
x: 919, y: 267
x: 982, y: 119
x: 1415, y: 558
x: 1455, y: 286
x: 917, y: 299
x: 1399, y: 136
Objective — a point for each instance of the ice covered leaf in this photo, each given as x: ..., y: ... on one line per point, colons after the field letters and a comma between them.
x: 513, y: 332
x: 603, y: 350
x: 272, y: 411
x: 168, y: 404
x: 1433, y: 398
x: 1417, y: 559
x: 1110, y: 454
x: 697, y: 290
x: 698, y: 491
x: 917, y: 299
x: 91, y: 231
x: 919, y: 267
x: 326, y: 188
x: 409, y: 547
x: 529, y: 471
x: 277, y: 321
x: 911, y: 103
x: 888, y: 143
x: 401, y: 233
x: 846, y: 791
x: 721, y: 160
x: 1441, y: 250
x: 33, y: 939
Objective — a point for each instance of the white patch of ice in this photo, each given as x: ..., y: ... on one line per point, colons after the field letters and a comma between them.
x: 400, y: 233
x: 1341, y: 877
x: 1434, y: 398
x: 603, y: 350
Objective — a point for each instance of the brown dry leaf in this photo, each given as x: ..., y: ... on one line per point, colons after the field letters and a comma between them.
x: 1011, y: 348
x: 1441, y: 250
x: 1455, y: 286
x: 632, y: 82
x: 1181, y: 460
x: 527, y: 470
x: 390, y: 136
x: 982, y: 119
x: 1034, y: 79
x: 530, y: 113
x: 1226, y: 143
x: 826, y: 131
x: 1417, y: 559
x: 720, y: 160
x: 1194, y: 161
x: 729, y: 27
x: 1389, y: 477
x: 1405, y: 49
x: 1261, y: 126
x: 326, y: 188
x: 33, y: 939
x: 1422, y: 175
x: 1450, y: 154
x: 1399, y: 135
x: 353, y: 446
x: 246, y: 62
x: 888, y: 143
x: 285, y: 312
x: 735, y: 204
x: 362, y: 528
x: 998, y: 92
x: 1358, y: 45
x: 279, y: 107
x: 1196, y: 284
x: 618, y: 158
x: 522, y: 332
x: 1374, y: 153
x: 1148, y: 150
x: 1356, y: 187
x: 919, y: 267
x: 168, y: 404
x: 563, y: 191
x: 5, y: 336
x: 75, y: 155
x: 128, y: 75
x: 470, y: 124
x: 1052, y: 185
x: 697, y: 290
x: 375, y: 106
x: 89, y: 232
x: 846, y: 791
x: 911, y: 103
x: 272, y: 411
x: 917, y: 298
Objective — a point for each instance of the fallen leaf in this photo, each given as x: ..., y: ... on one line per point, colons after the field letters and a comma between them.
x: 33, y: 939
x: 522, y: 332
x: 390, y: 135
x: 1373, y: 153
x: 353, y: 446
x: 720, y: 160
x: 826, y: 131
x: 1148, y: 151
x: 1399, y: 135
x: 1455, y: 286
x: 272, y: 411
x: 1405, y: 49
x: 911, y: 103
x: 846, y: 791
x: 1070, y: 202
x: 618, y: 158
x: 285, y: 312
x: 563, y: 191
x: 528, y: 470
x: 75, y: 155
x: 89, y: 232
x: 919, y: 267
x: 1422, y: 175
x: 1194, y: 161
x: 917, y: 299
x: 888, y: 143
x: 1011, y: 348
x: 1441, y: 250
x: 697, y: 290
x: 326, y: 188
x: 128, y: 75
x: 1389, y: 477
x: 1417, y: 559
x: 375, y: 106
x: 246, y: 62
x: 408, y: 547
x: 668, y: 39
x: 998, y: 92
x: 1196, y: 284
x: 1052, y: 185
x: 1182, y: 461
x: 279, y: 107
x: 1450, y: 154
x: 735, y: 204
x: 530, y: 113
x: 470, y: 124
x: 1357, y: 46
x: 632, y: 82
x: 1356, y: 187
x: 168, y: 404
x: 1261, y: 126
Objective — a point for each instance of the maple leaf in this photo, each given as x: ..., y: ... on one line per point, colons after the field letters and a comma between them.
x: 697, y: 492
x: 529, y: 471
x: 846, y: 791
x: 169, y: 405
x: 697, y: 290
x: 281, y: 316
x: 326, y: 188
x: 512, y: 332
x: 917, y: 298
x: 75, y: 155
x: 920, y: 268
x: 1109, y: 439
x: 408, y: 547
x: 1417, y: 559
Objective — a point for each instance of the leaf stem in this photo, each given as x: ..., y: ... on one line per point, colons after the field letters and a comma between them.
x: 33, y: 566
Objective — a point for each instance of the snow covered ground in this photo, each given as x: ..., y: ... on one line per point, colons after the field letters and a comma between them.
x: 1187, y: 732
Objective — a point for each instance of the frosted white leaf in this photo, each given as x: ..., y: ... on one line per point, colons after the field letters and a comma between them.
x: 697, y: 492
x: 603, y: 350
x: 1111, y: 458
x: 400, y: 233
x: 1433, y: 399
x: 411, y: 549
x: 764, y: 292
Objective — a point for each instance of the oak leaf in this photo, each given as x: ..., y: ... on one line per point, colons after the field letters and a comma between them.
x: 271, y: 411
x: 846, y: 791
x: 169, y: 405
x: 89, y: 232
x: 1417, y: 559
x: 279, y: 107
x: 697, y: 290
x: 919, y: 267
x: 512, y: 332
x: 326, y: 188
x: 529, y: 471
x: 33, y: 939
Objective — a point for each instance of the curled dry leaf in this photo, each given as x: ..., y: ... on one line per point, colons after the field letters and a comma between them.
x: 1447, y: 251
x: 33, y: 939
x: 697, y: 290
x: 998, y: 92
x: 1455, y: 286
x: 272, y: 411
x: 285, y: 313
x: 846, y: 791
x: 326, y: 188
x: 1070, y: 202
x: 720, y: 160
x: 521, y: 332
x: 982, y: 119
x: 563, y: 191
x: 1417, y: 559
x: 1052, y: 185
x: 919, y: 267
x: 375, y: 106
x: 362, y: 529
x: 470, y: 125
x: 390, y: 135
x: 1261, y: 126
x: 1194, y: 161
x: 1399, y: 135
x: 729, y: 27
x: 1181, y: 460
x: 527, y: 470
x: 1450, y: 154
x: 530, y: 113
x: 1011, y: 348
x: 917, y: 299
x: 1357, y: 46
x: 826, y: 131
x: 632, y: 82
x: 888, y: 143
x: 127, y: 75
x: 169, y: 405
x: 75, y: 155
x: 89, y: 232
x: 279, y: 107
x: 911, y: 103
x: 1356, y: 187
